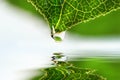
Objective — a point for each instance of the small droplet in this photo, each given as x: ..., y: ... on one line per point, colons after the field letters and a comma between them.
x: 58, y: 37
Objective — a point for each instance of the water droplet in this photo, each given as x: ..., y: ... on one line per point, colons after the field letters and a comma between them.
x: 58, y: 37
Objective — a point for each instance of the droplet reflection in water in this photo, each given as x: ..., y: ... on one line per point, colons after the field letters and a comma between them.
x: 59, y: 58
x: 57, y: 36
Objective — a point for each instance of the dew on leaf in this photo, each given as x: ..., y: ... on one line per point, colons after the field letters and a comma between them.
x: 57, y: 36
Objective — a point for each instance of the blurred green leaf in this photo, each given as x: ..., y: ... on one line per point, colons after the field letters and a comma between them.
x: 23, y: 4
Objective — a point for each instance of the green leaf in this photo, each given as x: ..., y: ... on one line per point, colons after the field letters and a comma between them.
x: 63, y: 14
x: 68, y: 73
x: 104, y: 26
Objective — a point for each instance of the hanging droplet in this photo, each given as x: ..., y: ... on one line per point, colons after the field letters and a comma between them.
x: 58, y: 37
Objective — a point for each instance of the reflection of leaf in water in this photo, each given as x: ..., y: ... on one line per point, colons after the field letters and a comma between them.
x: 63, y: 14
x: 68, y: 73
x: 108, y: 66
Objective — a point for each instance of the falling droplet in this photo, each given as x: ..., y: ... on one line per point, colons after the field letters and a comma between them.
x: 59, y: 36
